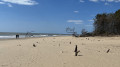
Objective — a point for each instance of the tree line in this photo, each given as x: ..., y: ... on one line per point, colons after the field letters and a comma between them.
x: 107, y: 23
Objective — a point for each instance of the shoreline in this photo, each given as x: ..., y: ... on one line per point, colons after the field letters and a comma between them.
x: 31, y: 38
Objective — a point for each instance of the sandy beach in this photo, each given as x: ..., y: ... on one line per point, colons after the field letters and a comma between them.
x: 59, y: 52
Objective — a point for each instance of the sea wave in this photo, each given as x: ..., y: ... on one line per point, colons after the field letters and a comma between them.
x: 6, y: 37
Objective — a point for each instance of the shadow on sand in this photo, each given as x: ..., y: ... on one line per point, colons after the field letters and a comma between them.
x: 80, y: 55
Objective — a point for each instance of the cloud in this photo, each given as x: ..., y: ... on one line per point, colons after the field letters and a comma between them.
x: 110, y: 0
x: 117, y: 1
x: 82, y: 1
x: 9, y: 5
x: 93, y: 0
x: 106, y: 3
x: 76, y: 11
x: 103, y: 0
x: 89, y: 25
x: 75, y: 21
x: 2, y: 3
x: 91, y: 20
x: 20, y: 2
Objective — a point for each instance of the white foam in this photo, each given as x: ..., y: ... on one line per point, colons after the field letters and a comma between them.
x: 44, y: 35
x: 6, y: 37
x: 55, y: 35
x: 11, y: 36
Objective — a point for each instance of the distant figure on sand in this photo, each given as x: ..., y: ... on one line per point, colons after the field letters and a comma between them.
x: 17, y: 36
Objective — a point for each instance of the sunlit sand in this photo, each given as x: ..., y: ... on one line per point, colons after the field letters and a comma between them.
x: 59, y: 52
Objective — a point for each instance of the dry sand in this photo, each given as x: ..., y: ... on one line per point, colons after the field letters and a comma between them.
x: 58, y: 52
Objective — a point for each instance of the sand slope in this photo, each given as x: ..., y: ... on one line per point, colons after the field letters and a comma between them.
x: 58, y: 52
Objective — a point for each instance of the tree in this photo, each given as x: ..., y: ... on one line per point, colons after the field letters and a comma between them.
x: 117, y: 21
x: 107, y: 24
x: 100, y: 23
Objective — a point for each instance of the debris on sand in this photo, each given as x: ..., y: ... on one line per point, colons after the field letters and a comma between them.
x: 34, y: 45
x: 70, y: 42
x: 108, y: 50
x: 76, y: 51
x: 59, y: 45
x: 36, y: 42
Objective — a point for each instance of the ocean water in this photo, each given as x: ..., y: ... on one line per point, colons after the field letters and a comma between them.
x: 24, y: 36
x: 21, y: 36
x: 12, y: 35
x: 6, y: 37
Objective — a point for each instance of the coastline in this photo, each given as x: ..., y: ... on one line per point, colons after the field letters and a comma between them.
x: 30, y: 38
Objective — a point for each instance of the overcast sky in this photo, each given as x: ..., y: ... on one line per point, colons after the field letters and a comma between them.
x: 52, y: 16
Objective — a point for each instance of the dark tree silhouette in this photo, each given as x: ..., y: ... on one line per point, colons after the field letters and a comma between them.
x: 107, y: 24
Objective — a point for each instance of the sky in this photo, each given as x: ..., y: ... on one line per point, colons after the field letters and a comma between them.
x: 52, y: 16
